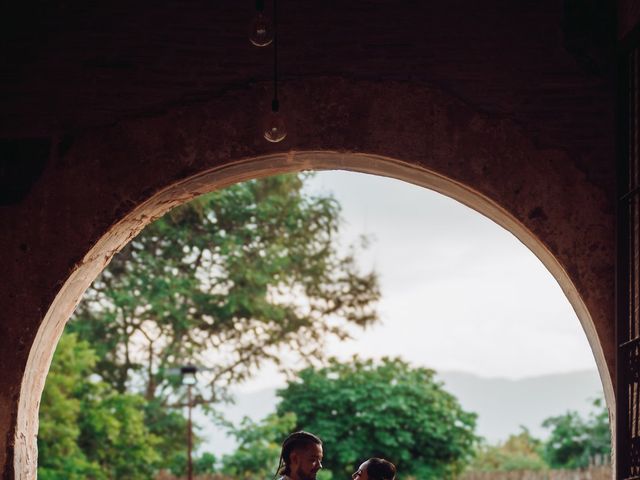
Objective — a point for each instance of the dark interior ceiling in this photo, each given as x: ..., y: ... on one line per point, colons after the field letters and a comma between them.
x: 545, y: 64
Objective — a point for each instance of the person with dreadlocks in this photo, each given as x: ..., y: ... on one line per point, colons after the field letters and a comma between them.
x: 300, y: 457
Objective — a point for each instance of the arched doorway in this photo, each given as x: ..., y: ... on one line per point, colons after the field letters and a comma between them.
x: 181, y: 191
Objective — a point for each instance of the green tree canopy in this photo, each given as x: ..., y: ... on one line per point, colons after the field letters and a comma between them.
x: 574, y: 441
x: 388, y: 409
x: 520, y: 452
x: 60, y: 455
x: 258, y: 451
x: 226, y: 281
x: 87, y: 429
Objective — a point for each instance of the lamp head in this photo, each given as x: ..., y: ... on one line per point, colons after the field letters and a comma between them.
x: 188, y: 373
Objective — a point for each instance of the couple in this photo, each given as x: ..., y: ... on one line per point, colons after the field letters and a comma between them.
x: 301, y: 459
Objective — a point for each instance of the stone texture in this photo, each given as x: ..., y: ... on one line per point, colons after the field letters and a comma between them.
x: 147, y: 105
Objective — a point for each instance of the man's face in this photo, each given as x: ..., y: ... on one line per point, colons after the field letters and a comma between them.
x: 306, y: 462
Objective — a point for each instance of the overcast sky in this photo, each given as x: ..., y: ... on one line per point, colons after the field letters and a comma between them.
x: 458, y: 291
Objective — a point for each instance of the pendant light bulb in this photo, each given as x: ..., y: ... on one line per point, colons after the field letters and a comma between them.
x: 261, y: 33
x: 275, y: 130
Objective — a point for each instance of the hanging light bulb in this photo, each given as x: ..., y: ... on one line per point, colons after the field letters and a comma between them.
x: 275, y: 130
x: 261, y: 33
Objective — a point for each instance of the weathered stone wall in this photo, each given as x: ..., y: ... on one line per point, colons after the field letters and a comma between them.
x: 107, y: 173
x: 136, y: 99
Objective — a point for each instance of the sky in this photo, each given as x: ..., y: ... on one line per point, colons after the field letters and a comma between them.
x: 459, y: 292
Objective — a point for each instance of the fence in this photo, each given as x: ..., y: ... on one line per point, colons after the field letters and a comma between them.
x: 593, y: 473
x: 211, y: 476
x: 602, y: 472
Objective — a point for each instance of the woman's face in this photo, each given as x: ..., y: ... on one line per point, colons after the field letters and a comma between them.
x: 361, y: 473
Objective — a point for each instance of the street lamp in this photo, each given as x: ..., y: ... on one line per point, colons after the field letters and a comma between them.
x: 188, y: 373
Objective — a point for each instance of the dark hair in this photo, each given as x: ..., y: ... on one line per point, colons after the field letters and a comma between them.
x: 293, y: 442
x: 380, y: 469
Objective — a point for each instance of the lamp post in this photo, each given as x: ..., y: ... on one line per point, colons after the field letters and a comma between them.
x: 188, y: 373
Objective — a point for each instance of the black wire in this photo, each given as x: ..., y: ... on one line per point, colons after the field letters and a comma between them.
x: 275, y: 104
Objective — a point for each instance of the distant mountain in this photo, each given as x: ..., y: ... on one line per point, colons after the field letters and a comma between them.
x: 502, y: 405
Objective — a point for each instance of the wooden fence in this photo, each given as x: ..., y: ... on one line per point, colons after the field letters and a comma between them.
x: 592, y: 473
x: 213, y: 476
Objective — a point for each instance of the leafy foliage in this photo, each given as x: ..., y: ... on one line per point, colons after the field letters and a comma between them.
x: 388, y: 409
x: 258, y: 448
x: 204, y: 464
x: 115, y: 436
x: 87, y: 429
x: 60, y: 455
x: 519, y: 452
x: 574, y: 442
x: 227, y: 281
x: 169, y: 426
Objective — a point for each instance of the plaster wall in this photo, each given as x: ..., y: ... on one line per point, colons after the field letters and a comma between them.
x: 102, y: 185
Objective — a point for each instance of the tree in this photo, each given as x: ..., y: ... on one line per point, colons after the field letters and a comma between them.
x: 60, y: 455
x: 205, y: 464
x: 114, y: 434
x: 258, y: 451
x: 87, y: 429
x: 520, y: 452
x: 169, y: 426
x: 574, y: 442
x: 362, y: 409
x: 228, y: 281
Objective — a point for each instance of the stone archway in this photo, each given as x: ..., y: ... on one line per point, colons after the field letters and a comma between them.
x: 141, y: 168
x: 68, y: 297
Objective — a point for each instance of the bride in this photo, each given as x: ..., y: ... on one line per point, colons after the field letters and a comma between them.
x: 375, y: 469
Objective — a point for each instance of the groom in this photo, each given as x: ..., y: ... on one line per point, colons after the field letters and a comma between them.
x: 300, y: 457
